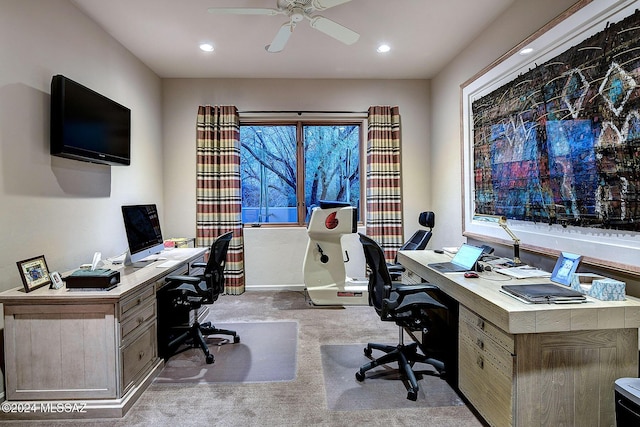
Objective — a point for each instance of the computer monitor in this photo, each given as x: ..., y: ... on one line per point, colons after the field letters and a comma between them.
x: 142, y: 225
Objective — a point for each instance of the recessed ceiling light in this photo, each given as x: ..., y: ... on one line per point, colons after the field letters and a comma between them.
x: 207, y: 47
x: 383, y: 48
x: 526, y: 51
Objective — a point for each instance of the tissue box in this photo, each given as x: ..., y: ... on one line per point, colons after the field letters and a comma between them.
x: 599, y: 287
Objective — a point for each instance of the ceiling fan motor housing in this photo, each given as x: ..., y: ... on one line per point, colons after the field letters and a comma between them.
x: 297, y: 14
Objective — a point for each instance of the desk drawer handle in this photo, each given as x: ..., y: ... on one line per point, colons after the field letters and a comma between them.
x: 140, y: 320
x: 480, y: 324
x: 141, y: 355
x: 139, y: 301
x: 480, y: 362
x: 480, y: 344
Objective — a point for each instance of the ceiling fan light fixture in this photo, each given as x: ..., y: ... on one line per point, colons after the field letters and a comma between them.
x: 383, y: 48
x: 206, y: 47
x: 297, y: 11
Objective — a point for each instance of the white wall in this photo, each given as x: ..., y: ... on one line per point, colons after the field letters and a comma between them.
x: 274, y: 256
x: 66, y: 209
x: 517, y: 23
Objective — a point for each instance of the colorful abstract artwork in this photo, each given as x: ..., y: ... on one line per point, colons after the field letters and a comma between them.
x: 561, y: 143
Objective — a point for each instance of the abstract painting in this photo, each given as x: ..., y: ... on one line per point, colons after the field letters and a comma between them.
x: 560, y: 143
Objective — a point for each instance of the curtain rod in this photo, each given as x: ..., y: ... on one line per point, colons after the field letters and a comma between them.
x: 302, y: 112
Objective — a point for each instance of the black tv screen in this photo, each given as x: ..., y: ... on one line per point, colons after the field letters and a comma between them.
x: 88, y: 126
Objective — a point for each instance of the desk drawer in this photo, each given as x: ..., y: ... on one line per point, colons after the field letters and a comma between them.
x: 182, y: 270
x: 487, y: 384
x: 197, y: 270
x: 486, y: 367
x: 411, y: 278
x: 137, y: 318
x: 487, y: 329
x: 138, y: 356
x: 140, y: 298
x: 487, y: 348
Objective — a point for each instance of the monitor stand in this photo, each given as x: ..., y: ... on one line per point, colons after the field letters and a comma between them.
x: 138, y: 264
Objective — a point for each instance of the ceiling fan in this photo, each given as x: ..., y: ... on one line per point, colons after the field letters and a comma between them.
x: 296, y: 11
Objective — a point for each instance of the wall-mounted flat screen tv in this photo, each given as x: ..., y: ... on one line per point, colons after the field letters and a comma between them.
x: 88, y: 126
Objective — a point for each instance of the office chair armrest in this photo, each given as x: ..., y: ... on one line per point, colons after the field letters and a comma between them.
x: 413, y: 289
x: 193, y: 280
x: 199, y: 265
x: 390, y: 304
x: 393, y: 268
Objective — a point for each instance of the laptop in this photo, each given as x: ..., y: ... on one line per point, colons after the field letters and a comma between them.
x: 464, y: 260
x: 544, y: 293
x: 551, y: 293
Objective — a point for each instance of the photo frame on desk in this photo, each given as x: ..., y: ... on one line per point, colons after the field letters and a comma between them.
x: 565, y: 268
x: 34, y: 273
x: 56, y: 280
x: 521, y: 111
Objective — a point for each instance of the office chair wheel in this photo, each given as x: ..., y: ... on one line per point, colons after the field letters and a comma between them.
x: 236, y: 339
x: 412, y: 395
x: 209, y: 359
x: 368, y: 352
x: 360, y: 376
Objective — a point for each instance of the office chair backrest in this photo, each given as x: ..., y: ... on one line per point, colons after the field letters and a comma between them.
x: 379, y: 278
x: 427, y: 219
x: 420, y: 238
x: 214, y: 271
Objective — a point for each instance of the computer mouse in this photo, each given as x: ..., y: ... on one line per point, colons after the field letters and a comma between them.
x: 470, y: 274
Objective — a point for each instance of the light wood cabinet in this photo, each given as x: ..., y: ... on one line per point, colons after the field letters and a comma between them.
x: 138, y: 343
x: 99, y: 348
x: 60, y: 351
x: 536, y: 364
x: 486, y: 367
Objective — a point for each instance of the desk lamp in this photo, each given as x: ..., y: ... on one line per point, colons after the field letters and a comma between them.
x: 502, y: 222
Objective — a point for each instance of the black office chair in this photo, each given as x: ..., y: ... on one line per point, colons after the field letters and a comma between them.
x: 189, y: 293
x: 409, y: 306
x: 417, y: 242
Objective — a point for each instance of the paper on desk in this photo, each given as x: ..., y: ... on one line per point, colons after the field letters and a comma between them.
x: 450, y: 249
x: 523, y: 272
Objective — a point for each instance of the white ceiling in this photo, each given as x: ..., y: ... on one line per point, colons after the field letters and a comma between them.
x: 424, y: 36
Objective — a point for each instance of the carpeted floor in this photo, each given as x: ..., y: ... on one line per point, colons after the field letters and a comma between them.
x: 266, y: 352
x: 383, y: 388
x: 301, y: 402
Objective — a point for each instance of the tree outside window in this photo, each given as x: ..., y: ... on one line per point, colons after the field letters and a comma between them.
x: 277, y: 158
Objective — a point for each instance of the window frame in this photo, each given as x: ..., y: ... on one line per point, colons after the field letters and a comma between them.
x: 300, y: 165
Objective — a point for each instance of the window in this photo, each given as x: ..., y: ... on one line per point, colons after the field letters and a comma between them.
x: 287, y: 168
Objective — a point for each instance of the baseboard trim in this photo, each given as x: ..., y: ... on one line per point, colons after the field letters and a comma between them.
x: 298, y: 288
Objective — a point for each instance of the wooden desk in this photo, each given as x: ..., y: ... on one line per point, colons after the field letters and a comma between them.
x: 535, y: 364
x: 94, y: 350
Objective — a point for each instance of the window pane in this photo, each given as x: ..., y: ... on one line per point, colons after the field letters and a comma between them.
x: 268, y: 173
x: 332, y: 164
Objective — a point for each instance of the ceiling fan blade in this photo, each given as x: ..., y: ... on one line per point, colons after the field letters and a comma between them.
x: 281, y: 38
x: 335, y: 30
x: 243, y: 11
x: 326, y: 4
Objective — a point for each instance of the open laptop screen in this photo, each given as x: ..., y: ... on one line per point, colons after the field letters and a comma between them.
x: 467, y: 256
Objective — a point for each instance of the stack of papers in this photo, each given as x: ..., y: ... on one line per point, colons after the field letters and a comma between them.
x: 522, y: 272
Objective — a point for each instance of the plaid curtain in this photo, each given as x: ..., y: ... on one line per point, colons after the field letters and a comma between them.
x: 218, y: 196
x: 384, y: 195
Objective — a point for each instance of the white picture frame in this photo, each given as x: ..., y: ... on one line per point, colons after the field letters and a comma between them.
x: 56, y: 280
x: 602, y: 247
